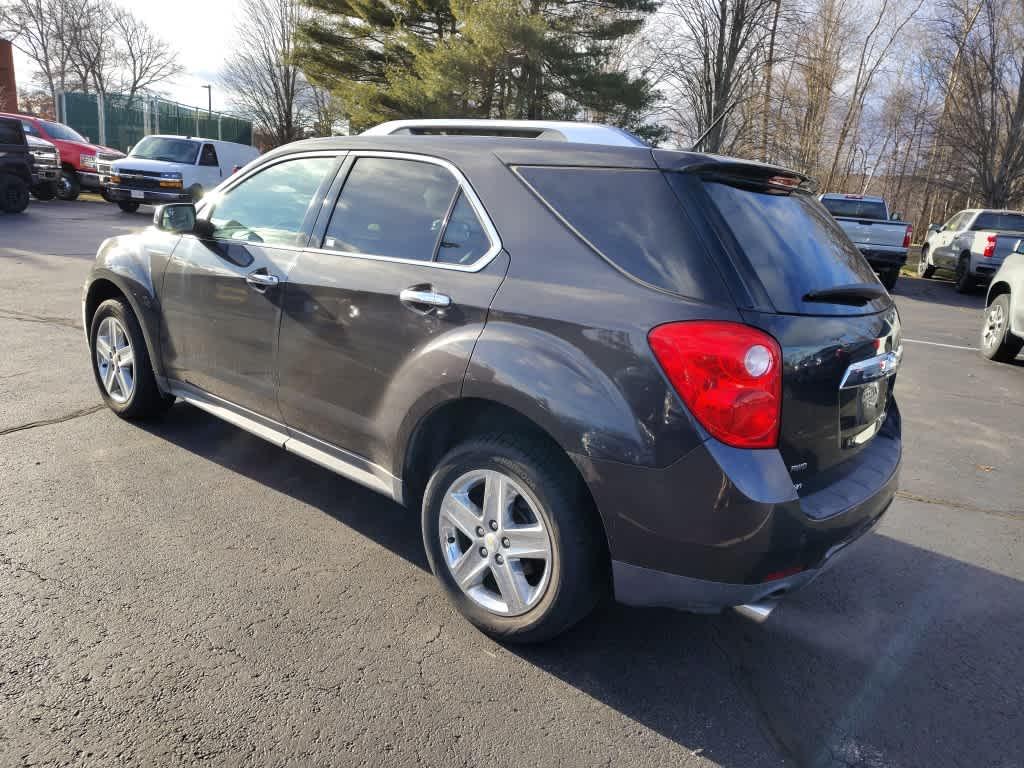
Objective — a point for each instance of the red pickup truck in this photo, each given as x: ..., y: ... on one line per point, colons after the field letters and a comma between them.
x: 78, y: 157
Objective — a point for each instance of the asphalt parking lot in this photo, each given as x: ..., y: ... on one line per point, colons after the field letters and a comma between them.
x: 184, y: 592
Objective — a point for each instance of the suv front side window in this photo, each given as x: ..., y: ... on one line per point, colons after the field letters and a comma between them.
x: 271, y: 206
x: 392, y: 207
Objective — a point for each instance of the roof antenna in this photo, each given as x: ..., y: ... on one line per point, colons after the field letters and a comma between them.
x: 711, y: 127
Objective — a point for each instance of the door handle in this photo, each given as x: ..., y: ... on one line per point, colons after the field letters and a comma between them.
x: 425, y: 297
x: 262, y: 280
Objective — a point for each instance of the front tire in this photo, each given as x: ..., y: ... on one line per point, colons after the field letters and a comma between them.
x: 997, y: 343
x: 512, y: 536
x: 121, y: 364
x: 14, y: 195
x: 127, y: 206
x: 68, y: 188
x: 197, y: 192
x: 924, y: 269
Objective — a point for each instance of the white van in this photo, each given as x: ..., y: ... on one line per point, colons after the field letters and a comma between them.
x: 173, y: 169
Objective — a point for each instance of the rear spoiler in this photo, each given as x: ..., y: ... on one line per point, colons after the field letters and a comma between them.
x: 732, y: 169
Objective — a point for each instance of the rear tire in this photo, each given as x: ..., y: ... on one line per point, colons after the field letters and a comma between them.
x: 546, y: 596
x: 964, y: 282
x: 997, y: 343
x: 127, y: 206
x: 924, y: 269
x: 889, y: 278
x: 68, y: 188
x: 14, y: 196
x: 126, y: 382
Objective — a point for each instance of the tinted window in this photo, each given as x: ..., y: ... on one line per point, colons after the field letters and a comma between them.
x: 271, y: 206
x: 956, y: 221
x: 1008, y: 222
x: 209, y: 155
x: 30, y: 128
x: 62, y: 132
x: 11, y: 132
x: 169, y: 150
x: 633, y: 219
x: 793, y: 245
x: 391, y: 207
x: 464, y: 239
x: 855, y: 209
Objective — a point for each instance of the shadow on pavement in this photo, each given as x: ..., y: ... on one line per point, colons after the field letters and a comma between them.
x: 898, y: 656
x: 938, y: 290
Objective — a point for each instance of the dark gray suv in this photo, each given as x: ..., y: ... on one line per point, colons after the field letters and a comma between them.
x: 594, y: 369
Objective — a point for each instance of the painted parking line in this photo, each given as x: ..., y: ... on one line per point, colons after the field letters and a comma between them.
x: 937, y: 344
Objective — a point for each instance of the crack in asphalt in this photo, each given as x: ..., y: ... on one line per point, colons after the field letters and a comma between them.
x: 1009, y: 514
x: 25, y: 317
x: 56, y: 420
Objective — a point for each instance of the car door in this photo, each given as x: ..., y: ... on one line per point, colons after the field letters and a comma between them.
x: 380, y: 317
x: 942, y: 240
x: 221, y: 295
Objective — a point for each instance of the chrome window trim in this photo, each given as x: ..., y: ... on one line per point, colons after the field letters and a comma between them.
x: 464, y: 186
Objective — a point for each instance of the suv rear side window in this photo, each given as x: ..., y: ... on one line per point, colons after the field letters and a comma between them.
x: 793, y: 245
x: 392, y: 207
x: 634, y: 220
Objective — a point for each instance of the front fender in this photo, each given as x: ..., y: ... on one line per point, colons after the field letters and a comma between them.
x: 133, y: 264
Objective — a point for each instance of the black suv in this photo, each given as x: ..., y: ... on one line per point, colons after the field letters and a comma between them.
x: 15, y: 167
x: 593, y: 369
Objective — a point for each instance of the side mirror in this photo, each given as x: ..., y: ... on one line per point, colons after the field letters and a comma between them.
x: 933, y: 227
x: 897, y: 216
x: 176, y: 217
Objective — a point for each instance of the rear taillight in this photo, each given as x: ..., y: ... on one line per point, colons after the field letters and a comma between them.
x: 990, y: 247
x: 908, y: 236
x: 728, y: 374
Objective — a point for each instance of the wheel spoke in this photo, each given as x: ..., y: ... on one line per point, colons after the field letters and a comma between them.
x: 103, y: 347
x: 470, y: 569
x: 462, y: 513
x: 512, y: 584
x: 127, y: 357
x: 529, y: 543
x: 496, y: 501
x: 109, y: 377
x: 124, y: 381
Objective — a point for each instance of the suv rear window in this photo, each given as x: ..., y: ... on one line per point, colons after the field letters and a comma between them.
x: 634, y: 220
x: 855, y: 209
x: 793, y: 246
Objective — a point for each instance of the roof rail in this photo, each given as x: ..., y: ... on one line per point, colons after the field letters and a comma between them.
x: 551, y: 130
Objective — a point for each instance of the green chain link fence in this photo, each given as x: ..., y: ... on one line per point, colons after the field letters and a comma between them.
x: 125, y: 121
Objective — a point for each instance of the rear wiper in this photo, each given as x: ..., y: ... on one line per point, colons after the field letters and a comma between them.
x: 856, y: 294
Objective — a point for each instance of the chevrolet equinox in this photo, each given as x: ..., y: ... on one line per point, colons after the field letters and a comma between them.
x: 594, y: 368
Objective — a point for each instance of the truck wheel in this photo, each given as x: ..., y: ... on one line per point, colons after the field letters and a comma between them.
x: 45, y: 191
x: 68, y: 188
x: 889, y: 278
x: 512, y: 537
x: 13, y: 194
x: 963, y: 282
x: 197, y: 192
x: 105, y: 194
x: 127, y: 206
x: 997, y: 343
x: 924, y: 269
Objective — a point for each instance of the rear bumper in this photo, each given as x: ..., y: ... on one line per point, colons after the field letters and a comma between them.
x: 724, y: 527
x: 149, y: 196
x: 883, y: 258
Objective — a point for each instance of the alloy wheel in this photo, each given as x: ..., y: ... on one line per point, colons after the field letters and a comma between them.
x: 115, y: 360
x: 995, y: 319
x: 496, y: 542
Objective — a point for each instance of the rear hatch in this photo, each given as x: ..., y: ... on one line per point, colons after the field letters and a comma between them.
x: 800, y: 279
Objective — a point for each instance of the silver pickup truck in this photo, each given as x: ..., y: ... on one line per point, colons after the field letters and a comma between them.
x: 971, y: 245
x: 882, y: 238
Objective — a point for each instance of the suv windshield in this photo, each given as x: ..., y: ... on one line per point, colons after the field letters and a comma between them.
x: 168, y: 150
x: 62, y: 132
x: 1005, y: 222
x: 855, y: 209
x: 793, y: 246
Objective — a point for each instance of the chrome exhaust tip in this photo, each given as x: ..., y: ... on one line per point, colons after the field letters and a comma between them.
x: 756, y: 612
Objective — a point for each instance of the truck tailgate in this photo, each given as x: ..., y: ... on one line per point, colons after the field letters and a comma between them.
x: 872, y: 232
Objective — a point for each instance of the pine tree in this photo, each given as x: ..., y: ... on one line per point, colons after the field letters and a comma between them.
x: 513, y: 59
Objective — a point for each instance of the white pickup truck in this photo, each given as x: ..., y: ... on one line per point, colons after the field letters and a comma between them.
x: 883, y: 239
x: 971, y: 245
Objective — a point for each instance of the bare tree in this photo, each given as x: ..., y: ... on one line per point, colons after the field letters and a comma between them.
x: 267, y: 86
x: 144, y: 60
